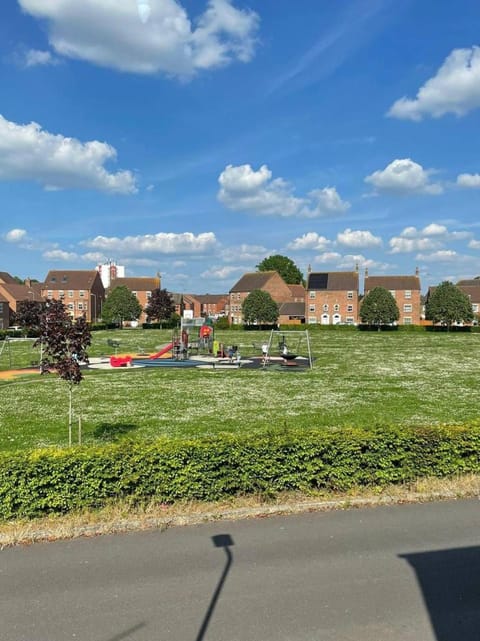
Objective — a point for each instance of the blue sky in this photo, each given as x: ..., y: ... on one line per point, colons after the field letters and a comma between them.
x: 196, y: 137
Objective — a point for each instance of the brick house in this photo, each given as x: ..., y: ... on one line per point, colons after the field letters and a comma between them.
x: 405, y: 290
x: 332, y: 298
x: 270, y: 282
x: 141, y: 287
x: 472, y: 289
x: 186, y: 303
x: 81, y: 291
x: 4, y: 313
x: 212, y: 305
x: 13, y: 292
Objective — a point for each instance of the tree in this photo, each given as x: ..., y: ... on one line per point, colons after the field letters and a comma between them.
x: 284, y: 266
x: 160, y: 306
x: 379, y: 308
x: 29, y: 313
x: 121, y: 305
x: 63, y: 342
x: 447, y: 304
x: 259, y: 308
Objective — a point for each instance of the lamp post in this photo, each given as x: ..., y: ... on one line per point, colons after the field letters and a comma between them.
x: 95, y: 314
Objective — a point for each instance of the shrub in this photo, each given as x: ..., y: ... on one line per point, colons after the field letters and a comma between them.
x: 57, y: 481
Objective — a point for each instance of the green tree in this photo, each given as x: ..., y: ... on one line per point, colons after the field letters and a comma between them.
x: 259, y: 308
x: 121, y: 305
x: 160, y: 306
x: 284, y: 266
x: 447, y: 304
x: 63, y: 342
x: 379, y: 308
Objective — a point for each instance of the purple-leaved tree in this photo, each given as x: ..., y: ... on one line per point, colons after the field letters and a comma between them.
x: 63, y: 343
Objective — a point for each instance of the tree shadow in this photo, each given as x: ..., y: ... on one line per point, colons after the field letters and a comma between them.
x: 127, y: 633
x: 450, y: 583
x: 113, y: 431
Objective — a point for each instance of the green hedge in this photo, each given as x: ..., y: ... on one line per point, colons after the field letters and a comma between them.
x: 57, y: 481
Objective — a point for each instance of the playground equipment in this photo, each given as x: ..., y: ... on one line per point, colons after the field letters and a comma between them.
x: 289, y: 352
x: 9, y: 347
x: 120, y: 361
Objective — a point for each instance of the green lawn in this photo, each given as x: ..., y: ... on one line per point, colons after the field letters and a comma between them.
x: 359, y: 378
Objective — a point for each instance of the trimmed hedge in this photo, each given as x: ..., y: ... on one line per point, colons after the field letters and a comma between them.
x: 56, y: 481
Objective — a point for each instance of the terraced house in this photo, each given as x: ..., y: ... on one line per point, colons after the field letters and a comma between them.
x: 406, y: 292
x: 270, y: 282
x: 332, y: 298
x: 12, y: 292
x: 142, y: 287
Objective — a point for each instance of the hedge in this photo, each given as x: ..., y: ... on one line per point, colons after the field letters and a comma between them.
x: 49, y: 481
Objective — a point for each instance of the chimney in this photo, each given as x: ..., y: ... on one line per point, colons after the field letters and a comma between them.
x: 417, y: 271
x: 366, y: 272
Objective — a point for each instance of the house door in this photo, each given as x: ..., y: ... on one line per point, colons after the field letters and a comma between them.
x: 336, y: 319
x: 325, y: 319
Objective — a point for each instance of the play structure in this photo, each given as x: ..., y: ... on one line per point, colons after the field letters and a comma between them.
x: 17, y: 352
x: 291, y: 349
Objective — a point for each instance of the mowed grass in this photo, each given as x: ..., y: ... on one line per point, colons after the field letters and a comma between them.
x: 359, y: 378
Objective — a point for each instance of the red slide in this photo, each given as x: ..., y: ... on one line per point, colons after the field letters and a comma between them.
x: 163, y: 351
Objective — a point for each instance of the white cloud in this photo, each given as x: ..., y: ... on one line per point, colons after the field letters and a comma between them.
x: 404, y: 176
x: 244, y: 252
x: 327, y: 257
x: 400, y: 245
x: 469, y: 181
x: 431, y: 237
x: 57, y: 162
x: 310, y: 240
x: 36, y: 58
x: 222, y: 273
x: 244, y: 189
x: 454, y: 89
x: 441, y: 256
x: 60, y: 255
x: 358, y: 238
x: 15, y: 235
x: 111, y: 34
x: 474, y: 244
x: 349, y: 261
x: 161, y: 243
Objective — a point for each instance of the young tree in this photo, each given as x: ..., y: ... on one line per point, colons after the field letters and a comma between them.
x: 259, y: 308
x: 29, y: 313
x: 447, y: 304
x: 379, y: 308
x: 121, y: 305
x: 160, y: 306
x: 284, y: 266
x: 63, y: 342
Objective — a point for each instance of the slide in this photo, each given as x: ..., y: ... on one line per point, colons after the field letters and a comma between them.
x: 163, y: 351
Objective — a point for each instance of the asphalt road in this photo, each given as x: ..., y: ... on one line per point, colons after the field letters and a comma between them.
x: 403, y: 573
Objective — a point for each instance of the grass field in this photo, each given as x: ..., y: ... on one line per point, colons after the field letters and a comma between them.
x: 359, y: 378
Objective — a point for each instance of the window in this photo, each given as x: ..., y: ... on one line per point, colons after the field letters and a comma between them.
x: 61, y: 294
x: 70, y: 307
x: 312, y: 320
x: 70, y: 293
x: 325, y: 307
x: 407, y: 320
x: 392, y: 292
x: 475, y: 307
x: 80, y: 306
x: 50, y: 294
x: 311, y: 308
x: 350, y: 320
x: 311, y: 294
x: 408, y: 293
x: 149, y: 295
x: 350, y: 295
x: 407, y: 307
x: 81, y: 293
x: 349, y: 308
x: 336, y: 307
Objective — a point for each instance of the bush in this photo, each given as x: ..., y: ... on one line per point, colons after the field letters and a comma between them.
x: 208, y: 469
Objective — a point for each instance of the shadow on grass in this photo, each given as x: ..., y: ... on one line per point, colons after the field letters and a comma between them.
x: 113, y: 431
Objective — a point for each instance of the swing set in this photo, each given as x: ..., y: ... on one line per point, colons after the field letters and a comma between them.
x: 291, y: 351
x: 18, y: 358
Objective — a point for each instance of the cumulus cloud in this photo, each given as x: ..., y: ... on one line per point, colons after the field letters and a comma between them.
x: 222, y: 273
x: 111, y: 34
x: 244, y: 252
x: 349, y: 261
x: 57, y: 162
x: 244, y: 189
x: 37, y: 58
x: 454, y: 89
x: 441, y: 256
x: 474, y: 244
x: 60, y: 255
x: 15, y: 235
x: 469, y: 181
x: 161, y: 243
x: 310, y: 240
x: 431, y: 237
x: 403, y: 176
x: 358, y: 238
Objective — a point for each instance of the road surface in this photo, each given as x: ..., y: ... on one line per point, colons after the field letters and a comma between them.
x: 402, y: 573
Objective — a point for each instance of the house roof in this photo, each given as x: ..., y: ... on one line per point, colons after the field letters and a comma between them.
x: 474, y: 282
x: 211, y: 298
x: 292, y: 309
x: 298, y: 291
x: 392, y: 282
x: 333, y: 281
x: 70, y: 279
x: 472, y: 291
x: 6, y: 278
x: 253, y: 280
x: 136, y: 284
x: 22, y: 292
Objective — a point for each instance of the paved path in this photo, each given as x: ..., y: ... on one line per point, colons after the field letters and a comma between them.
x: 404, y: 573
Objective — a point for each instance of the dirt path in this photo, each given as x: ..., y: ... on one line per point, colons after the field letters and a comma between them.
x: 13, y: 373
